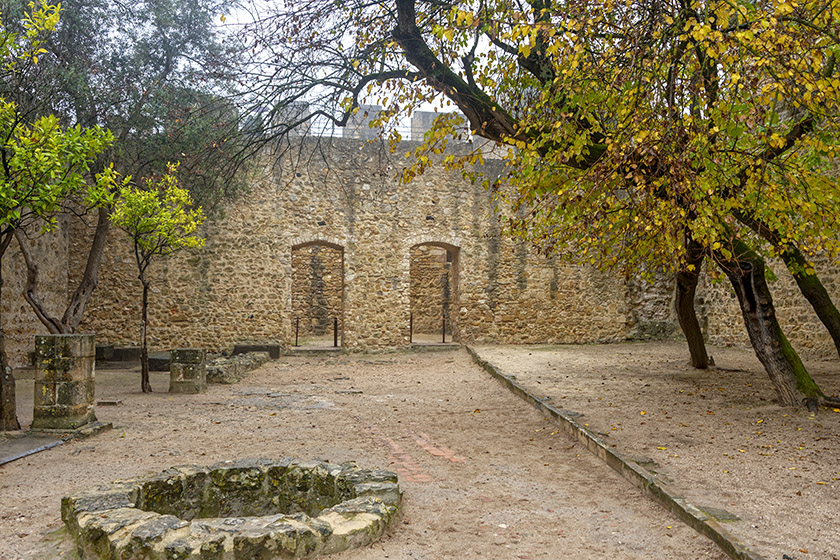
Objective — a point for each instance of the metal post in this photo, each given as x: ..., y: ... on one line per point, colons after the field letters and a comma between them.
x: 410, y: 327
x: 444, y: 330
x: 297, y: 328
x: 335, y: 332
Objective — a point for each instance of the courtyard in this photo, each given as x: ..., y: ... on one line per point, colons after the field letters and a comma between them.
x: 485, y: 475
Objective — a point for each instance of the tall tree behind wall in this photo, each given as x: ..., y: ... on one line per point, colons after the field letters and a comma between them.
x: 153, y: 72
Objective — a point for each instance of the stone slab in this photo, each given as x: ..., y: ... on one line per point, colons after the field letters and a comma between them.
x: 24, y: 446
x: 36, y: 441
x: 159, y: 361
x: 104, y: 352
x: 82, y: 432
x: 126, y: 354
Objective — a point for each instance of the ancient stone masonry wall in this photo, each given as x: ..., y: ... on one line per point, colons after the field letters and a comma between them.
x: 238, y: 287
x: 242, y: 286
x: 19, y: 321
x: 799, y: 322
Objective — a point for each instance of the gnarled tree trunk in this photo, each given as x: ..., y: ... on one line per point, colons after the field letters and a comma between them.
x: 686, y: 315
x: 809, y: 284
x: 74, y: 312
x: 745, y: 270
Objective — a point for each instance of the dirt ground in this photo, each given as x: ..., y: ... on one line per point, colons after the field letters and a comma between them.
x: 716, y: 433
x: 484, y: 474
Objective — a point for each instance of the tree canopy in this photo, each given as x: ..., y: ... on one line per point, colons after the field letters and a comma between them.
x: 628, y: 121
x: 641, y: 134
x: 156, y: 73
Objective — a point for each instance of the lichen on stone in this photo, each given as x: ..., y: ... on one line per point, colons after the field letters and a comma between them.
x: 254, y: 508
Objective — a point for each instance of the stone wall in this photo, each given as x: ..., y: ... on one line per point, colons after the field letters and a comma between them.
x: 801, y: 325
x: 238, y: 287
x: 19, y: 321
x: 242, y: 286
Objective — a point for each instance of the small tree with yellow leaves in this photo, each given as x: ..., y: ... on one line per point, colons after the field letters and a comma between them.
x: 160, y: 220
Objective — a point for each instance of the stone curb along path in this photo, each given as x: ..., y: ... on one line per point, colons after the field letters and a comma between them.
x: 236, y: 510
x: 640, y: 477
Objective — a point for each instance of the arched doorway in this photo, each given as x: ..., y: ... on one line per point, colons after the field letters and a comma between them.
x: 433, y: 275
x: 317, y: 294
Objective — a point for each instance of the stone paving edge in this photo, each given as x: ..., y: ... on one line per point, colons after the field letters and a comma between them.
x: 637, y: 475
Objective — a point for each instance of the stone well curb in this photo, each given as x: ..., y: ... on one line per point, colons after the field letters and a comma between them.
x: 236, y: 510
x: 653, y: 487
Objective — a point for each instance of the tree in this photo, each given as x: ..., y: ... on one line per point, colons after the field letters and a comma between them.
x: 642, y: 134
x: 155, y: 73
x: 160, y: 221
x: 41, y: 165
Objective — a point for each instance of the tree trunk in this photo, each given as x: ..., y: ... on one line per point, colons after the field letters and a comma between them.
x: 75, y: 310
x: 90, y: 278
x: 30, y: 294
x: 809, y: 284
x: 8, y: 406
x: 146, y: 385
x: 686, y: 288
x: 812, y: 288
x: 794, y: 385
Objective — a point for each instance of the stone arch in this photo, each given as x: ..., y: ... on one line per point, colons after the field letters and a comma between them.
x: 302, y: 242
x: 434, y: 279
x: 317, y: 292
x: 445, y: 241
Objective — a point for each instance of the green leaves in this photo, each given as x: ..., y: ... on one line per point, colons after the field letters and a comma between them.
x: 158, y: 217
x: 44, y: 164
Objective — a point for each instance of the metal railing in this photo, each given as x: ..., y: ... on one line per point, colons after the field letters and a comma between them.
x: 335, y: 331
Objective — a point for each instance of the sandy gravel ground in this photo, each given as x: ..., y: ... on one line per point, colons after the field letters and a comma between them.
x: 716, y: 433
x: 484, y: 474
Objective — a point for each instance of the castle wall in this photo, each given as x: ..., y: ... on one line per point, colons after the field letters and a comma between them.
x: 801, y: 325
x: 240, y: 287
x: 317, y: 288
x: 431, y: 291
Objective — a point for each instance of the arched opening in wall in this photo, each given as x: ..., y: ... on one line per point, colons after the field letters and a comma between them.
x: 317, y: 295
x: 433, y: 276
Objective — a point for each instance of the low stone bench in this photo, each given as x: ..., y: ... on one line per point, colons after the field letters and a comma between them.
x: 253, y: 508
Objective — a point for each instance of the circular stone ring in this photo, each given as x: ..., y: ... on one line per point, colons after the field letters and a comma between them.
x: 247, y: 509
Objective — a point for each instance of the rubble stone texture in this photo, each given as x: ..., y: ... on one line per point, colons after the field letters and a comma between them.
x: 64, y: 381
x: 242, y: 510
x: 187, y: 370
x: 317, y: 289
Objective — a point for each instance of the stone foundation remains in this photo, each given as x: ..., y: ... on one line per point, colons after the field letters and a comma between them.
x: 228, y: 371
x: 255, y: 508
